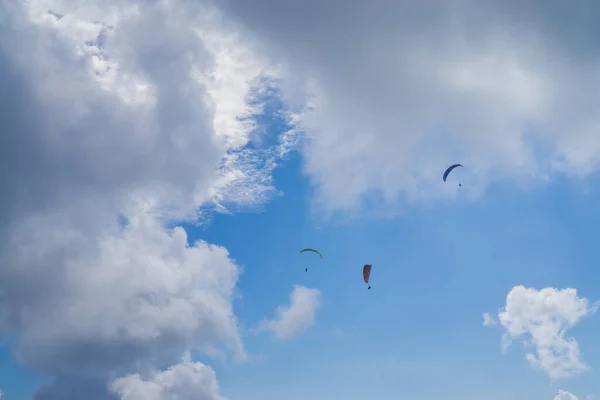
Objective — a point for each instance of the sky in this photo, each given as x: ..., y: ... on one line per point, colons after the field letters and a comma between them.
x: 164, y: 162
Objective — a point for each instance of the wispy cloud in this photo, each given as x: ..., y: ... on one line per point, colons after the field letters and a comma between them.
x: 563, y: 395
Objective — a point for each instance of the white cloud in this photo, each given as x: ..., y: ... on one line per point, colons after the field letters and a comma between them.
x: 397, y: 91
x: 139, y: 295
x: 488, y: 320
x: 187, y: 380
x: 543, y: 317
x: 294, y: 318
x: 562, y: 395
x: 122, y: 111
x: 143, y: 109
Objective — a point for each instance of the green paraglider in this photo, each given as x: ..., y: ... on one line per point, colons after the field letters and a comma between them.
x: 311, y: 250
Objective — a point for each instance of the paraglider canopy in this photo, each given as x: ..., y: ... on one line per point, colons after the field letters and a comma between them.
x: 313, y: 251
x: 450, y: 168
x: 367, y: 274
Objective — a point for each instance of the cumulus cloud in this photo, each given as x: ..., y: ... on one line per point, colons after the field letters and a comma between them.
x: 397, y: 91
x: 187, y: 380
x: 562, y: 395
x: 543, y: 317
x: 141, y: 295
x: 120, y: 119
x: 294, y: 318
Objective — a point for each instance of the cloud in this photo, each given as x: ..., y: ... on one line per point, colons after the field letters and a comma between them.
x: 395, y: 93
x: 294, y: 318
x: 120, y: 119
x: 187, y: 380
x: 488, y: 320
x: 543, y: 317
x: 143, y: 295
x: 562, y: 395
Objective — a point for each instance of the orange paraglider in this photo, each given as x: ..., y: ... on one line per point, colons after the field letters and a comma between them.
x: 367, y: 274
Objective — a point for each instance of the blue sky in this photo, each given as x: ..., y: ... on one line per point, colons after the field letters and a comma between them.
x: 127, y: 127
x: 435, y: 271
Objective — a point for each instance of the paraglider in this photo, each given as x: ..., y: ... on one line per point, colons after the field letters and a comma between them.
x: 311, y: 250
x: 450, y: 168
x: 367, y: 274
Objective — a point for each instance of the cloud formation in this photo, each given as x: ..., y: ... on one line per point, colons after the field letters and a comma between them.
x: 294, y: 318
x: 396, y: 92
x: 187, y: 380
x: 562, y: 395
x: 119, y: 119
x: 542, y: 317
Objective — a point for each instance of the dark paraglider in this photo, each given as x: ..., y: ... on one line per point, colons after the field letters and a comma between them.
x: 450, y: 169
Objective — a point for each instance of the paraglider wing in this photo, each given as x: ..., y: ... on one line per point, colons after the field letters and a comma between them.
x: 450, y: 168
x: 313, y: 250
x: 366, y: 272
